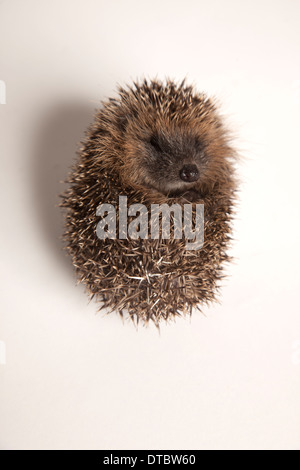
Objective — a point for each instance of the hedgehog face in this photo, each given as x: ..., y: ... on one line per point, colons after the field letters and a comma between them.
x: 175, y: 158
x: 174, y: 164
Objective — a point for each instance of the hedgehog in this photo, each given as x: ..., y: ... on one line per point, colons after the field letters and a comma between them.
x: 156, y: 142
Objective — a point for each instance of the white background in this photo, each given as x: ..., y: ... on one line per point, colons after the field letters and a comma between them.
x: 76, y: 380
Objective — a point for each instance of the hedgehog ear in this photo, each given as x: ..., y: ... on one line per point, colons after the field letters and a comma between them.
x: 122, y: 123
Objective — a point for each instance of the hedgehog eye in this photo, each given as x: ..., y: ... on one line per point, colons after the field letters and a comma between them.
x: 199, y: 145
x: 154, y: 143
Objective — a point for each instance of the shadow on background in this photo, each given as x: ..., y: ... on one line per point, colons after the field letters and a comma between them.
x: 58, y: 140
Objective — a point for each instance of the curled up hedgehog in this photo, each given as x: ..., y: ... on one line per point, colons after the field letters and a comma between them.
x: 157, y: 143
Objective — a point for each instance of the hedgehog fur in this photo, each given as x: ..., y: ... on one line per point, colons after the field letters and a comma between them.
x: 140, y: 145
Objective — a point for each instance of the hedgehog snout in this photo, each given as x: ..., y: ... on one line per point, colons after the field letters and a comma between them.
x: 189, y: 173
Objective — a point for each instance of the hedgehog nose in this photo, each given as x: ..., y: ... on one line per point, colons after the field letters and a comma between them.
x: 189, y: 173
